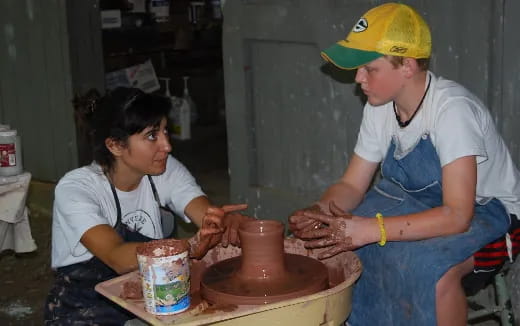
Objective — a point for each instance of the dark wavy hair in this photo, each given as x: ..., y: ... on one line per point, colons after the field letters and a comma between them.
x: 117, y: 115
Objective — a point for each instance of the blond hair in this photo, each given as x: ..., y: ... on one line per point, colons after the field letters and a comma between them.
x: 397, y: 61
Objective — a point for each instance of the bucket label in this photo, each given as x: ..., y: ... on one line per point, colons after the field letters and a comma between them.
x: 166, y: 283
x: 7, y: 155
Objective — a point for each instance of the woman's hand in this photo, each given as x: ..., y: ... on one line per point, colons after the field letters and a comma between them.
x: 231, y: 223
x: 209, y: 233
x: 216, y: 227
x: 338, y: 234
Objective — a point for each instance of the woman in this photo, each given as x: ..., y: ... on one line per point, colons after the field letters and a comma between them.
x: 103, y: 211
x: 448, y: 184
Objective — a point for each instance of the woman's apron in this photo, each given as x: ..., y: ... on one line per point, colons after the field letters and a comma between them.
x: 397, y: 286
x: 73, y: 300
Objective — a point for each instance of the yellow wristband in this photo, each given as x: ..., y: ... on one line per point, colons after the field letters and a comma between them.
x: 381, y: 224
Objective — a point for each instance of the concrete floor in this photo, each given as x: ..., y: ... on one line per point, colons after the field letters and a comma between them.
x: 25, y: 278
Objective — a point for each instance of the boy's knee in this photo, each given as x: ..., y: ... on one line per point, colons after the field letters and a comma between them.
x: 453, y: 277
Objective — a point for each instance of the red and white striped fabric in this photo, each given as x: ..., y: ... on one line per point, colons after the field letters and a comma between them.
x: 494, y: 255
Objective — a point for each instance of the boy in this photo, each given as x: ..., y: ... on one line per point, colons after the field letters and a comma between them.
x: 448, y: 186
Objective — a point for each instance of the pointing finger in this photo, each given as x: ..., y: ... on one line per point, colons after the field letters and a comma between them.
x: 234, y: 208
x: 215, y: 211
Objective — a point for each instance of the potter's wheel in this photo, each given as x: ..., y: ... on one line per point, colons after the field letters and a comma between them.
x: 327, y: 307
x: 223, y: 283
x: 264, y: 273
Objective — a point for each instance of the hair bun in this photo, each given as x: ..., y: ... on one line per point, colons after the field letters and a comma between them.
x: 86, y: 104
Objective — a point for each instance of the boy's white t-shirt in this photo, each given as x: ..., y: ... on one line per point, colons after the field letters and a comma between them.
x: 84, y: 199
x: 459, y: 125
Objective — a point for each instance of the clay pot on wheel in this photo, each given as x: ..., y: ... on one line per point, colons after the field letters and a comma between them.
x: 264, y: 273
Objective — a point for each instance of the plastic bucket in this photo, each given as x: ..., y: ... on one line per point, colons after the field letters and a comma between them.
x: 10, y: 153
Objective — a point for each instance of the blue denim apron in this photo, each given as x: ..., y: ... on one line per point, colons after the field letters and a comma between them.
x: 73, y: 300
x: 397, y: 286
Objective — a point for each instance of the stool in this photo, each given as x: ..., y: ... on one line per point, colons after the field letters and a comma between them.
x: 502, y: 306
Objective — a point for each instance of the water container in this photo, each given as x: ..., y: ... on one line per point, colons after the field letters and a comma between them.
x: 10, y: 153
x: 179, y: 116
x: 186, y: 96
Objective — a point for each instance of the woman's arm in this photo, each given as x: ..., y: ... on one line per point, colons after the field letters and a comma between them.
x: 106, y: 244
x: 197, y: 208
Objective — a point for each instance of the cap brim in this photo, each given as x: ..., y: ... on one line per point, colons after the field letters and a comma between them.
x: 348, y: 58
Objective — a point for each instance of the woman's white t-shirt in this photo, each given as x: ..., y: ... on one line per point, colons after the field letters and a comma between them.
x: 84, y: 199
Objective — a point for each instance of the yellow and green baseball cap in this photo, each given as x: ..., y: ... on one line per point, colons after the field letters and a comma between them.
x: 389, y: 29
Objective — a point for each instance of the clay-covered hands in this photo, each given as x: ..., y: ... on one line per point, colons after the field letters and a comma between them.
x: 231, y: 221
x: 299, y: 222
x: 209, y: 233
x: 219, y: 224
x: 337, y: 234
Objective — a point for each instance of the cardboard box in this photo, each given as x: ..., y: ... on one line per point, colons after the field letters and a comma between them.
x: 110, y: 19
x: 138, y: 5
x: 141, y: 76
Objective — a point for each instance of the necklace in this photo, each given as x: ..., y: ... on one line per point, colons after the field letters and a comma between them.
x: 403, y: 124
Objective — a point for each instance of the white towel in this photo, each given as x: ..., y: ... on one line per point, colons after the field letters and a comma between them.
x: 15, y: 231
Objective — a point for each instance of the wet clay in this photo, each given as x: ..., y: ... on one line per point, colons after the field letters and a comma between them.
x: 132, y: 290
x: 264, y: 273
x: 162, y: 248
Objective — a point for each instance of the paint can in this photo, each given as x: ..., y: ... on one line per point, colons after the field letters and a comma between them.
x: 10, y: 153
x: 165, y: 276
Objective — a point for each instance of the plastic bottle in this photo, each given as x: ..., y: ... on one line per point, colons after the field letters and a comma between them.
x: 195, y: 11
x: 187, y: 97
x: 217, y: 9
x: 180, y: 118
x: 10, y: 153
